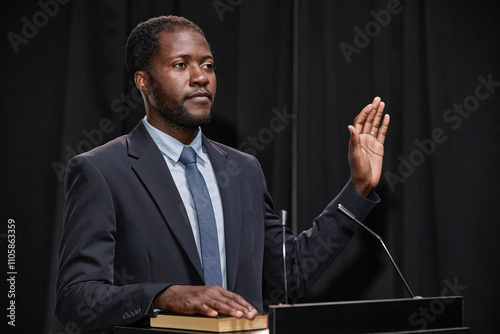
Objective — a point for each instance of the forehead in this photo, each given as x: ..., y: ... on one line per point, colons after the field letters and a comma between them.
x: 183, y: 42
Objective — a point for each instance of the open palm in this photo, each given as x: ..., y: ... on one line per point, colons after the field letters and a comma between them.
x: 366, y: 147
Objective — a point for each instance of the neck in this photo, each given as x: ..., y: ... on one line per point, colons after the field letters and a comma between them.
x: 182, y: 134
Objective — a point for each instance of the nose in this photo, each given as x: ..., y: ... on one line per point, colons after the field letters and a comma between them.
x: 199, y: 77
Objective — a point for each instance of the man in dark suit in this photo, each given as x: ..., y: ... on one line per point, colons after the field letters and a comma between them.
x: 131, y: 243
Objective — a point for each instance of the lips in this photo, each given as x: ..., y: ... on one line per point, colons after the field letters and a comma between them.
x: 200, y: 95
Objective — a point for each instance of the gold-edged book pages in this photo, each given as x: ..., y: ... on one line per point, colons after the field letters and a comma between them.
x: 220, y: 324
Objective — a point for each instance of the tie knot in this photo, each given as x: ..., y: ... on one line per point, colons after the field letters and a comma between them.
x: 188, y: 156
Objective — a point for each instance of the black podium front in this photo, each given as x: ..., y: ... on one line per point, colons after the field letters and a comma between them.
x: 412, y: 315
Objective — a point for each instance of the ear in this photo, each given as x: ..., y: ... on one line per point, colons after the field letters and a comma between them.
x: 142, y: 81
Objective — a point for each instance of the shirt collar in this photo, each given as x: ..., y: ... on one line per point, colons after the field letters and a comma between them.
x: 170, y: 146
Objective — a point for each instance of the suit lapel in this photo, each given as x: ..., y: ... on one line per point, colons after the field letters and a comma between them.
x: 230, y: 195
x: 155, y: 175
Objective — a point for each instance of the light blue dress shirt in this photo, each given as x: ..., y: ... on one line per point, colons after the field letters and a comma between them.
x: 171, y: 149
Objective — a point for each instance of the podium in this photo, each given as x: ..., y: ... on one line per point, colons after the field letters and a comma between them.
x: 412, y: 315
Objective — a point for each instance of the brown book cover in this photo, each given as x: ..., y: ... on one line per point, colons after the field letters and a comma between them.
x: 220, y: 324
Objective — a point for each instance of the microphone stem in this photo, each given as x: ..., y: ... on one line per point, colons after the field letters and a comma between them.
x: 283, y: 216
x: 397, y: 269
x: 349, y: 214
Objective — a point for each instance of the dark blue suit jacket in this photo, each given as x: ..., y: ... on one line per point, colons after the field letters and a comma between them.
x: 126, y: 234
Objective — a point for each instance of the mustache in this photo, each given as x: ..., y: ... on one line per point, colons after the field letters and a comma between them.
x: 200, y: 92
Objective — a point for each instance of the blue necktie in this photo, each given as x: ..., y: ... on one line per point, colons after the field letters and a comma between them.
x: 206, y: 218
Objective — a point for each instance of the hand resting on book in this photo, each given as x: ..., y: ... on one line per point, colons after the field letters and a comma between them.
x: 206, y: 300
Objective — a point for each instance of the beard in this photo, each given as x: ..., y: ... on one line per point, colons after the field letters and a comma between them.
x: 174, y: 112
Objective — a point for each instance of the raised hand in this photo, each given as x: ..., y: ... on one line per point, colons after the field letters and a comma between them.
x: 366, y: 147
x: 207, y: 300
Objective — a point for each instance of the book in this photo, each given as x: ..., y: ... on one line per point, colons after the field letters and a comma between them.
x: 219, y: 324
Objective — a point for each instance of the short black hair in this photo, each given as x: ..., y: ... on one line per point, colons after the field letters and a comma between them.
x: 142, y: 43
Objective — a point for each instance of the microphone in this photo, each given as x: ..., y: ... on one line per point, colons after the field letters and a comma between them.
x: 351, y: 216
x: 283, y: 216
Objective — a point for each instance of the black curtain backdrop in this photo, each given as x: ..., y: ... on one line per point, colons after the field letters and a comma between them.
x: 292, y: 75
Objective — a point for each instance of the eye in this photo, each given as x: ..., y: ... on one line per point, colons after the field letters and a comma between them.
x: 208, y: 66
x: 180, y: 65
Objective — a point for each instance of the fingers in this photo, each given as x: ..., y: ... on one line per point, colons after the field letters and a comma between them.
x: 370, y: 124
x: 377, y: 112
x: 207, y: 300
x: 360, y: 120
x: 383, y: 129
x: 236, y: 305
x: 369, y: 118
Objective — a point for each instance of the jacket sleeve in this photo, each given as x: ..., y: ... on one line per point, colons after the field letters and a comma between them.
x: 309, y: 254
x: 90, y: 294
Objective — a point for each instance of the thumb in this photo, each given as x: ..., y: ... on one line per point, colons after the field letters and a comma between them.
x: 355, y: 138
